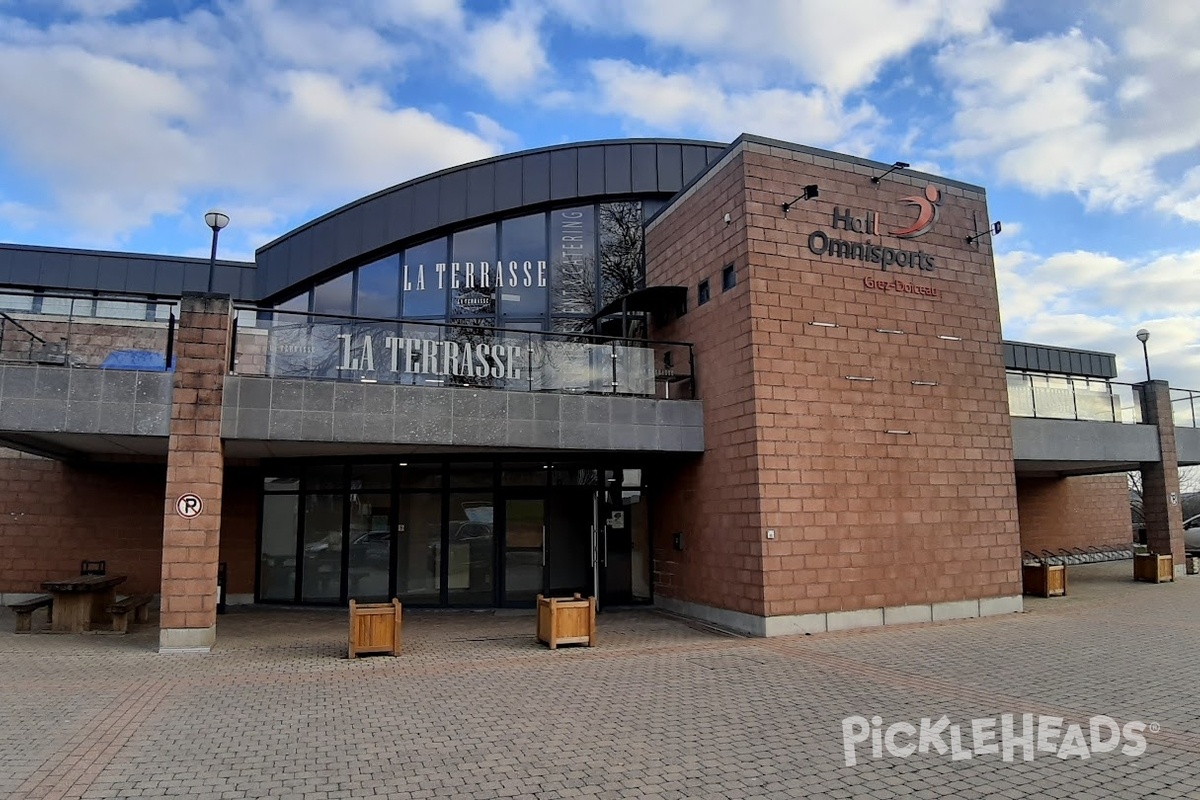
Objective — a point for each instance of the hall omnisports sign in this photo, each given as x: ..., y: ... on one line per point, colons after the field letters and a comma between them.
x: 845, y: 219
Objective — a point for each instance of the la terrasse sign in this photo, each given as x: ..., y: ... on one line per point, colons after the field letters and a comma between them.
x: 519, y: 360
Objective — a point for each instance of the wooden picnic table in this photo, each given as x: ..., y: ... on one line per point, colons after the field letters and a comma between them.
x: 82, y: 600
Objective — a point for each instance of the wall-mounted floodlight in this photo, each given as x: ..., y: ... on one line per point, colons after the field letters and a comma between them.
x: 891, y: 169
x: 974, y: 237
x: 809, y: 193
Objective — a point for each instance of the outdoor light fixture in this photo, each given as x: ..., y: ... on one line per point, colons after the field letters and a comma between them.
x: 859, y: 378
x: 215, y: 220
x: 899, y: 433
x: 823, y: 324
x: 888, y: 330
x: 924, y: 383
x: 974, y: 237
x: 891, y: 169
x: 947, y: 337
x: 1143, y: 335
x: 809, y: 193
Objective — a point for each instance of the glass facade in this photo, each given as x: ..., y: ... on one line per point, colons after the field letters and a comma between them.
x: 547, y: 271
x: 471, y: 534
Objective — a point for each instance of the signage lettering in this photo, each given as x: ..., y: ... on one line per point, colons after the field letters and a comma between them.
x: 475, y: 275
x: 431, y: 357
x: 867, y: 223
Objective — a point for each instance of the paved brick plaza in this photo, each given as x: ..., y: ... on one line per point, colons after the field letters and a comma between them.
x: 660, y: 709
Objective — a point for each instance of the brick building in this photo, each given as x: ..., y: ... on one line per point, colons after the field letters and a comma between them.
x: 759, y: 384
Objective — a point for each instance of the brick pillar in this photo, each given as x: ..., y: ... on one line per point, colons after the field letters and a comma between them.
x: 195, y: 465
x: 1160, y: 480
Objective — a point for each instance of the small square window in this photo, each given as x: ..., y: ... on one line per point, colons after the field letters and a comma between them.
x: 728, y: 278
x: 702, y: 293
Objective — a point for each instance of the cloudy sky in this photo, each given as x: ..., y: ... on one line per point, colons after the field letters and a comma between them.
x: 122, y: 121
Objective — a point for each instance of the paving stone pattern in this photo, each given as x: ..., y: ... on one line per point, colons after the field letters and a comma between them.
x: 660, y: 709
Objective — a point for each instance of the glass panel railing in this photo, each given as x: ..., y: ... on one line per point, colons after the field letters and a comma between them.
x: 1185, y: 408
x: 1066, y: 397
x: 121, y: 333
x: 296, y: 345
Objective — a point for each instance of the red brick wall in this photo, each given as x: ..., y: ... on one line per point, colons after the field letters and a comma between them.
x: 1062, y: 513
x: 712, y: 502
x: 863, y: 518
x: 195, y: 464
x: 54, y: 515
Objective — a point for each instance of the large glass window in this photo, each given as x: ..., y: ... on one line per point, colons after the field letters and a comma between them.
x: 523, y: 267
x: 322, y: 565
x: 379, y: 288
x: 335, y: 296
x: 277, y: 571
x: 573, y: 261
x: 471, y: 555
x: 621, y: 268
x: 472, y: 272
x: 370, y: 546
x: 419, y: 548
x: 423, y: 280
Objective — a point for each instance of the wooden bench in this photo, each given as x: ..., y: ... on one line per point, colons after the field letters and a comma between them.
x: 25, y: 611
x: 138, y: 605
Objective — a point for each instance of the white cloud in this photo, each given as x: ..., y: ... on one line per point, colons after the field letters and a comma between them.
x: 1097, y: 301
x: 506, y: 53
x: 673, y: 102
x: 127, y: 123
x: 836, y: 45
x: 1100, y: 114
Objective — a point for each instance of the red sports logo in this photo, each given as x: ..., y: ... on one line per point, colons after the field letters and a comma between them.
x: 927, y: 213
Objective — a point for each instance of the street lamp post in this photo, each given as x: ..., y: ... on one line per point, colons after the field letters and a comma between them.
x: 1142, y: 336
x: 215, y: 220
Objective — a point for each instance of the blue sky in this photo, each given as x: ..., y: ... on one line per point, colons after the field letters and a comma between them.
x: 123, y: 121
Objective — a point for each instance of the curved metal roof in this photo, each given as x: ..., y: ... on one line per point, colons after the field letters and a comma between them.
x: 453, y: 198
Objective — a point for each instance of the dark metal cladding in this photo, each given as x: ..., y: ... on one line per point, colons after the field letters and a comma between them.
x: 472, y: 193
x: 1059, y: 360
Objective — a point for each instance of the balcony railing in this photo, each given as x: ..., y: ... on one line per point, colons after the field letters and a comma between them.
x: 368, y: 350
x: 1185, y: 408
x: 105, y: 332
x: 1063, y: 397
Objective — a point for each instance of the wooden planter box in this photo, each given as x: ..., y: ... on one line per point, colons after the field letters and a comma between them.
x: 374, y: 628
x: 1193, y: 565
x: 563, y: 621
x: 1153, y: 568
x: 1045, y: 580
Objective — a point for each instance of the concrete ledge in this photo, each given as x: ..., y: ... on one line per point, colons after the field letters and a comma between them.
x: 992, y: 606
x: 958, y: 609
x: 737, y: 621
x: 802, y: 624
x: 239, y: 599
x: 848, y: 620
x: 907, y: 615
x: 186, y: 640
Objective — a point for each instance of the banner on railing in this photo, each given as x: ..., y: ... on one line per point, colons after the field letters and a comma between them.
x: 458, y: 356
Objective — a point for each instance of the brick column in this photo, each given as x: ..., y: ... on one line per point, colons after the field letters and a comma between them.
x: 195, y: 465
x: 1160, y: 480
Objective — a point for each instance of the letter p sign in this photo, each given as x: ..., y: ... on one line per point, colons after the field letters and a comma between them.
x: 189, y: 505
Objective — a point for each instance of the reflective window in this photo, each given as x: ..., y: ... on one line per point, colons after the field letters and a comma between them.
x: 418, y: 552
x: 470, y: 557
x: 423, y: 280
x: 370, y: 546
x: 473, y: 272
x: 321, y: 580
x: 335, y: 296
x: 621, y: 268
x: 277, y: 576
x: 522, y: 280
x: 379, y: 288
x: 573, y: 261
